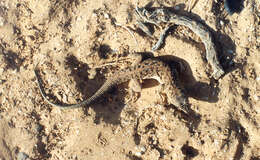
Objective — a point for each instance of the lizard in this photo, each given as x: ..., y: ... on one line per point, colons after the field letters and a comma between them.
x: 152, y: 68
x: 160, y: 16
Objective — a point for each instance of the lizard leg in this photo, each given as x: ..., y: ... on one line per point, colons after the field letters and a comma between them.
x: 175, y: 95
x: 135, y: 89
x: 135, y: 85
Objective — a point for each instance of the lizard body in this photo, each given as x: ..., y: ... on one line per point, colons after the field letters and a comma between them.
x: 148, y: 69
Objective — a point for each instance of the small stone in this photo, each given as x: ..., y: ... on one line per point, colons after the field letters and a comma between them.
x: 2, y: 21
x: 221, y: 23
x: 79, y: 18
x: 65, y: 98
x: 94, y: 15
x: 256, y: 98
x: 138, y: 154
x: 143, y: 149
x: 22, y: 156
x: 106, y: 15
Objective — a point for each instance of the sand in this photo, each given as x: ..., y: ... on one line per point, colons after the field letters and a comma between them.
x: 77, y: 44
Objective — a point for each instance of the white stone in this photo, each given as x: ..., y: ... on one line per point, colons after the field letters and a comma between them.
x: 106, y: 15
x: 1, y: 21
x: 138, y: 154
x: 256, y: 97
x: 221, y: 23
x: 143, y: 149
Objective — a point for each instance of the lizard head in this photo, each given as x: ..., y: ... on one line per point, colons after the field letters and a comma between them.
x: 179, y: 100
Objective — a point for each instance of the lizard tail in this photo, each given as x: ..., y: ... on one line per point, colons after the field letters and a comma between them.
x: 106, y: 86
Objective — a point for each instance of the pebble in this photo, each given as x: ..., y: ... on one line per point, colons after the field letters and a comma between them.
x: 256, y: 98
x: 1, y: 21
x: 106, y: 15
x: 143, y: 149
x: 79, y: 18
x: 64, y: 98
x: 138, y: 154
x: 221, y: 23
x: 94, y: 14
x: 22, y: 156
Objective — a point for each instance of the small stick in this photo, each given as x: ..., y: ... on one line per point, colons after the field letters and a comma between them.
x: 161, y: 39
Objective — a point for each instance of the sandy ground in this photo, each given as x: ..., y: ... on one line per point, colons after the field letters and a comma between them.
x: 76, y: 44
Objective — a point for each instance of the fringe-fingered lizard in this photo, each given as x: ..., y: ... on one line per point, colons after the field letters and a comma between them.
x: 152, y: 68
